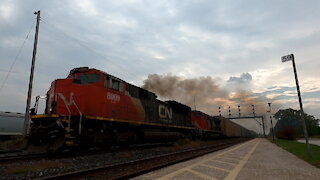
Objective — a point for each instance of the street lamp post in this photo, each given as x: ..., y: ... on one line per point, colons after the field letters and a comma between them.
x: 290, y: 57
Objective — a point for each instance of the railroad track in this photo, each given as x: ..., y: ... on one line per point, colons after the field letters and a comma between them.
x: 126, y: 170
x: 12, y: 155
x: 20, y: 155
x: 9, y: 151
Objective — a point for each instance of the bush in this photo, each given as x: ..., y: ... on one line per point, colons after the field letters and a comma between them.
x: 288, y: 133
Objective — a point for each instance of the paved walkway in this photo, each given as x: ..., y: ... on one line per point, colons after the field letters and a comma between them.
x: 255, y: 159
x: 315, y: 141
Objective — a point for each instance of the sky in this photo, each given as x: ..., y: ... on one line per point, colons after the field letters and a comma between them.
x: 239, y: 44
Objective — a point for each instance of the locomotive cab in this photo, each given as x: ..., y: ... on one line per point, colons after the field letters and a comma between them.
x: 65, y: 103
x: 84, y: 94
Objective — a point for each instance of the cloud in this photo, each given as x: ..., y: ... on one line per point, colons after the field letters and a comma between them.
x: 132, y: 39
x: 244, y: 78
x: 6, y: 10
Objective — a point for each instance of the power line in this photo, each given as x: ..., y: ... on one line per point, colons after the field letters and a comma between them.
x: 81, y: 43
x: 16, y: 57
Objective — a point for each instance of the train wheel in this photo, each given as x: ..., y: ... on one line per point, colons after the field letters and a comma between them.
x: 116, y: 139
x: 133, y: 138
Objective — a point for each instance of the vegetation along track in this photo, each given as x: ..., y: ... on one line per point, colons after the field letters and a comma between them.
x: 134, y: 168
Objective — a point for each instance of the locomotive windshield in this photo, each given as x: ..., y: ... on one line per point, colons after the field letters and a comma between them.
x: 87, y: 78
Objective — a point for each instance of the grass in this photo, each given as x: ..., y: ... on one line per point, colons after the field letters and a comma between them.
x: 300, y: 150
x: 14, y: 143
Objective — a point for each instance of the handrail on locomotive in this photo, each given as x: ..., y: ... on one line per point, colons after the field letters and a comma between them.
x: 34, y: 110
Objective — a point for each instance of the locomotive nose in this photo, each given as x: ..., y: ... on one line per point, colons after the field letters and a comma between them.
x: 49, y: 134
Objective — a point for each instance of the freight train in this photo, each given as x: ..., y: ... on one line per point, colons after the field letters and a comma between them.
x: 91, y: 107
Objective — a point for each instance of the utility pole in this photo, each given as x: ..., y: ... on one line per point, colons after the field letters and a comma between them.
x: 27, y: 114
x: 290, y: 57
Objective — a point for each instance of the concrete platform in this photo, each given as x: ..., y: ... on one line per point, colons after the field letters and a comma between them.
x: 255, y: 159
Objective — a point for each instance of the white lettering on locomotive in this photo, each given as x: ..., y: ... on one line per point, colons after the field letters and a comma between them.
x: 67, y: 103
x: 113, y: 97
x: 165, y: 112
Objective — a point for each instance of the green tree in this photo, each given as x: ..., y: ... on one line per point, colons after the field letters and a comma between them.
x: 289, y: 125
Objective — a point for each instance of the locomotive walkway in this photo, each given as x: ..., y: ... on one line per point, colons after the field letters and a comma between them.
x: 255, y: 159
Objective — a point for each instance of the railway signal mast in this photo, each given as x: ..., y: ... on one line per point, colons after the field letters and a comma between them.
x: 272, y: 130
x: 27, y: 115
x: 254, y: 117
x: 290, y: 57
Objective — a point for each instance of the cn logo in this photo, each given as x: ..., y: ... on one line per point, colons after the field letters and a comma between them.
x: 165, y: 112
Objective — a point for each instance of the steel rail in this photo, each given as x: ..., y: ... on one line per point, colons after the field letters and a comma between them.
x: 21, y: 156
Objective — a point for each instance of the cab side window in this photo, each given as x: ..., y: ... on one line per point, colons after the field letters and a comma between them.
x: 114, y: 84
x: 121, y: 86
x: 107, y: 82
x: 197, y: 114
